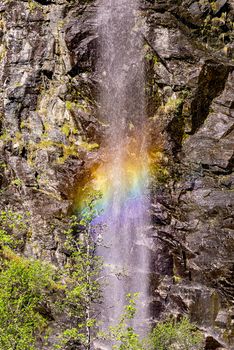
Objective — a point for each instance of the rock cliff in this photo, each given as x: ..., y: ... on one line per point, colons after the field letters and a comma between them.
x: 50, y: 132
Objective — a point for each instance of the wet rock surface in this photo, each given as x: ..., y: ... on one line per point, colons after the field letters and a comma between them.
x: 49, y: 122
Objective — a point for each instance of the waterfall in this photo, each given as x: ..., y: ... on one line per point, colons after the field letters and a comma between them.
x: 123, y: 173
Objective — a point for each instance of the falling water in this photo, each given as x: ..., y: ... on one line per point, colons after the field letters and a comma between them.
x: 123, y: 173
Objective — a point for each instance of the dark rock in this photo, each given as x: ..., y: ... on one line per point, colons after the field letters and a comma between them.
x: 82, y: 45
x: 212, y: 344
x: 211, y: 83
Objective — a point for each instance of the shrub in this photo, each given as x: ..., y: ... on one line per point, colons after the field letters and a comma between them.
x: 13, y: 226
x: 171, y: 335
x: 31, y: 291
x: 24, y: 285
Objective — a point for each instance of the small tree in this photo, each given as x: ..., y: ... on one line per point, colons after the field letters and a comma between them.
x: 122, y: 335
x: 81, y: 278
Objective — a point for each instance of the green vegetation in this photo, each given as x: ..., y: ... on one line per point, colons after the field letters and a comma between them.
x: 160, y: 174
x: 17, y: 182
x: 68, y: 129
x: 123, y: 335
x: 33, y: 5
x: 171, y: 335
x: 151, y: 57
x: 4, y: 136
x: 32, y: 292
x: 172, y: 105
x: 166, y: 335
x: 81, y: 274
x: 217, y: 27
x: 24, y: 285
x: 80, y: 104
x: 66, y: 149
x: 13, y: 226
x: 3, y: 52
x: 89, y: 146
x: 69, y: 105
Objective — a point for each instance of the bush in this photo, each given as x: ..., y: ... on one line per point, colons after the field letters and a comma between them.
x: 23, y: 287
x: 31, y: 291
x: 167, y: 335
x: 171, y: 335
x: 13, y: 226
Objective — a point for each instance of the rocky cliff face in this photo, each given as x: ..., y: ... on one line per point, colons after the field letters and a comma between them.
x: 50, y: 130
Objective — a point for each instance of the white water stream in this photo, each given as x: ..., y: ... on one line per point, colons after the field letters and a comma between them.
x: 123, y: 176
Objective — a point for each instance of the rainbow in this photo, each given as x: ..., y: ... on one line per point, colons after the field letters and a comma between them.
x: 120, y: 175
